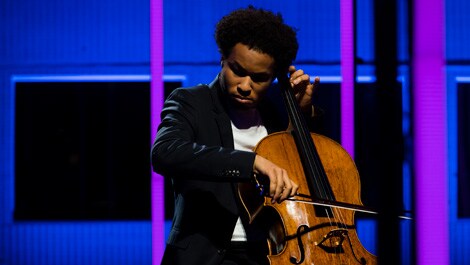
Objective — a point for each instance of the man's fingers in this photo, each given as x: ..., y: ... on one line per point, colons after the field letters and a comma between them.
x: 279, y: 188
x: 294, y: 190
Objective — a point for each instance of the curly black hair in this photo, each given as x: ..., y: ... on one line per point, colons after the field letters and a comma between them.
x: 261, y: 30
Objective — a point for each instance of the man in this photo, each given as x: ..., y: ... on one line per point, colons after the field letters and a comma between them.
x: 207, y: 135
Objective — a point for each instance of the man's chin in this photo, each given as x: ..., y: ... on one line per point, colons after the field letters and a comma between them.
x: 243, y: 105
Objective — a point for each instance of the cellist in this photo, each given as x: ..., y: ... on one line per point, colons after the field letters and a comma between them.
x: 207, y: 134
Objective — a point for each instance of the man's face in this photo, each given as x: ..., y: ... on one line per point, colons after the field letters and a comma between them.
x: 246, y: 75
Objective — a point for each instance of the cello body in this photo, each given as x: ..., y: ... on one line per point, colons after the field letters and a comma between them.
x: 299, y: 231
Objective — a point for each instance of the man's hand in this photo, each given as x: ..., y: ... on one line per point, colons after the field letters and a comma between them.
x: 303, y: 89
x: 280, y: 185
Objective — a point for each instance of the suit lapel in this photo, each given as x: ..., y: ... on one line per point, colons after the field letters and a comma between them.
x: 220, y: 115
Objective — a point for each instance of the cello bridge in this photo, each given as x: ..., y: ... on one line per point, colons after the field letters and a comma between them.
x: 333, y: 241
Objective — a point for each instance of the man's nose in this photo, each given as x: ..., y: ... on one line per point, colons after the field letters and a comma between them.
x: 244, y: 87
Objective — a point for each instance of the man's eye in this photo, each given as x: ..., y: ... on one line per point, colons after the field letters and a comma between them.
x: 260, y: 78
x: 238, y: 72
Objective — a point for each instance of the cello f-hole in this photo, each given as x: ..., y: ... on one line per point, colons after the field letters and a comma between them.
x: 300, y: 231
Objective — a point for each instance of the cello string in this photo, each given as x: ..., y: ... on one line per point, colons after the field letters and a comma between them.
x: 312, y: 165
x: 316, y: 177
x: 312, y: 160
x: 299, y: 128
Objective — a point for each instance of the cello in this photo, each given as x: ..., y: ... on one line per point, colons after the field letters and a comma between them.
x: 316, y: 226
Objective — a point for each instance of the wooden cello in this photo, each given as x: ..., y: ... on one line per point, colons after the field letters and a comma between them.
x: 317, y: 225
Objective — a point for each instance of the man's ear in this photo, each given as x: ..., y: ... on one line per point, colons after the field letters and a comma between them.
x: 222, y: 59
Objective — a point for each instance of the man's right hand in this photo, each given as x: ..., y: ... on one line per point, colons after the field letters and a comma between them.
x: 280, y: 185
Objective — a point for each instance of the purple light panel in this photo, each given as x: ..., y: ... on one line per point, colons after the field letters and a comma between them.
x: 156, y: 97
x: 430, y: 126
x: 347, y: 75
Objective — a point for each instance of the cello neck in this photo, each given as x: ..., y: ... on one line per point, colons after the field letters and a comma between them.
x: 313, y: 168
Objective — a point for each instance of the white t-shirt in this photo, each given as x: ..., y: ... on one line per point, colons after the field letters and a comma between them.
x: 248, y: 130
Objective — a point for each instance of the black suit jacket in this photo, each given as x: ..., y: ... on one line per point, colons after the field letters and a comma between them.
x: 194, y: 147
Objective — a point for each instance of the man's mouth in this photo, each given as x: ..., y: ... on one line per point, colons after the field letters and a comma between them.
x: 243, y: 99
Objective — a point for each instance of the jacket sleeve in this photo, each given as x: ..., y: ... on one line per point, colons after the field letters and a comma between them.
x: 188, y: 145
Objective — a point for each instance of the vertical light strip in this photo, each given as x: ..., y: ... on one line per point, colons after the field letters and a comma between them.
x: 347, y: 75
x: 430, y: 126
x: 156, y: 97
